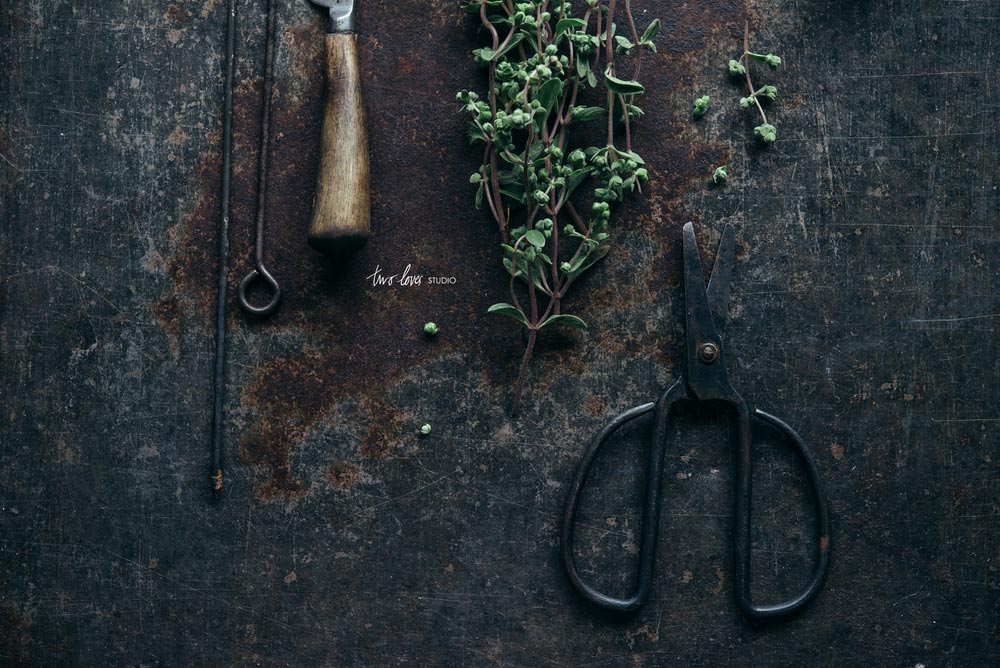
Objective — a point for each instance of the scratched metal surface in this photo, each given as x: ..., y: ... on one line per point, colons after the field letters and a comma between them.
x: 865, y: 311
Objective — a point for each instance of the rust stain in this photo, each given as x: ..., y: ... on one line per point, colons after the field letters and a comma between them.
x: 595, y: 405
x: 959, y: 493
x: 837, y: 450
x: 385, y: 428
x: 824, y: 543
x: 343, y: 476
x: 177, y: 14
x: 167, y: 313
x: 12, y: 19
x: 13, y: 637
x: 290, y: 397
x: 721, y: 574
x: 361, y: 339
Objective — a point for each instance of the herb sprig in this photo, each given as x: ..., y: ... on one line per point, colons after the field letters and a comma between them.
x: 541, y: 61
x: 766, y: 132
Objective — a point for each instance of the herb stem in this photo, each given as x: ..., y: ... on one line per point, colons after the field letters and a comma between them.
x: 744, y: 60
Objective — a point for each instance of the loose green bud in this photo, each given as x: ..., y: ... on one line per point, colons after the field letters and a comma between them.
x: 720, y: 174
x: 766, y: 132
x: 745, y: 102
x: 425, y: 430
x: 770, y: 92
x: 565, y: 267
x: 772, y: 61
x: 701, y: 105
x: 736, y: 68
x: 430, y: 329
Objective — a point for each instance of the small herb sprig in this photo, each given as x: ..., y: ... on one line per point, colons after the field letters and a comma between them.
x: 766, y: 132
x: 540, y: 61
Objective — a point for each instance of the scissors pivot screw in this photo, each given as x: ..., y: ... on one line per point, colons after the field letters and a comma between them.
x: 708, y: 353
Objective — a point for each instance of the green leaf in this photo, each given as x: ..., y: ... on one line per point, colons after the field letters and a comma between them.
x: 591, y: 260
x: 652, y: 31
x: 548, y: 94
x: 624, y: 45
x: 510, y: 311
x: 584, y: 114
x: 575, y: 179
x: 535, y: 238
x: 565, y: 24
x: 570, y: 320
x: 485, y: 53
x: 514, y: 41
x: 514, y: 191
x: 616, y: 85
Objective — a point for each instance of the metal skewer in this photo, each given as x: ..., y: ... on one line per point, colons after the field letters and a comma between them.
x: 219, y: 384
x: 260, y: 271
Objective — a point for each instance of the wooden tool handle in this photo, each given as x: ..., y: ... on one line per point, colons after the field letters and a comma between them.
x: 341, y: 217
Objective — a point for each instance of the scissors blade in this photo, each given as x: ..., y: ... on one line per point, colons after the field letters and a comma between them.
x: 718, y: 284
x: 700, y: 322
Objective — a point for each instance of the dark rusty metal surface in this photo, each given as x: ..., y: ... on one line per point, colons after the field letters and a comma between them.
x: 868, y: 301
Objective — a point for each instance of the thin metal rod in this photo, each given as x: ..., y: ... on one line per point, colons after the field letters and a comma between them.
x: 265, y: 130
x: 259, y: 270
x: 218, y: 413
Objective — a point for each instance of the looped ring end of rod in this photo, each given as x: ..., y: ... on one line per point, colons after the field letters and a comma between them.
x: 260, y: 272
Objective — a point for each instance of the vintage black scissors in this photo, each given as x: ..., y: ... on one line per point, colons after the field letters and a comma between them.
x: 705, y: 380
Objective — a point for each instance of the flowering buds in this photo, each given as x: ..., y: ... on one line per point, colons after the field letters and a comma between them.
x: 767, y: 133
x: 770, y: 92
x: 701, y: 105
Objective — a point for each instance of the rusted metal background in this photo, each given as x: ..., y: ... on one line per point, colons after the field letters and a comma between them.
x: 865, y: 311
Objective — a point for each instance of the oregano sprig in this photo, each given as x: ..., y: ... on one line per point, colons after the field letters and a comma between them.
x: 766, y: 132
x: 542, y: 60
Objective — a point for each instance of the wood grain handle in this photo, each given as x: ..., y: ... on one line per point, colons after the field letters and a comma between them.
x: 341, y: 206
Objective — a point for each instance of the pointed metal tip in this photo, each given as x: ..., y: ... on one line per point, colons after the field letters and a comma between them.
x: 722, y: 271
x: 689, y: 238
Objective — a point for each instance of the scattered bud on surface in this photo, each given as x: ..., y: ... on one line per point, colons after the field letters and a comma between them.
x: 425, y: 430
x: 430, y: 329
x: 701, y: 105
x: 766, y: 132
x: 720, y: 174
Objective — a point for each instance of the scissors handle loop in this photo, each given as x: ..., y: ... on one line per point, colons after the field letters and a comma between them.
x: 762, y: 612
x: 652, y: 502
